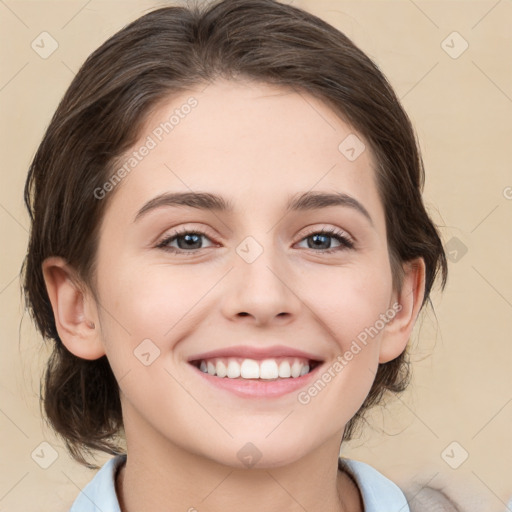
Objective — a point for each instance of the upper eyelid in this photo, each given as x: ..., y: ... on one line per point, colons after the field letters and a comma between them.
x: 188, y: 228
x: 329, y: 229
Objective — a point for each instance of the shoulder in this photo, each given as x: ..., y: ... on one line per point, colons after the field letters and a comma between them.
x: 100, y: 493
x: 378, y: 492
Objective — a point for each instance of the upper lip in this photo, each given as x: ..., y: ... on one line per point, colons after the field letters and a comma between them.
x: 252, y: 352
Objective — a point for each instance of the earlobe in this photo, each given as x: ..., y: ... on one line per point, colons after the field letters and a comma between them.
x: 74, y: 311
x: 407, y: 305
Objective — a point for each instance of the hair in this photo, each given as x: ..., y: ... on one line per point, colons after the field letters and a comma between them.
x: 161, y: 54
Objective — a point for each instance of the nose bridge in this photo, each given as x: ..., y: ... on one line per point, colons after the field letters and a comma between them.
x: 260, y: 260
x: 261, y: 286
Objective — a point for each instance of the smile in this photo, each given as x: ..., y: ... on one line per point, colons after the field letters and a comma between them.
x: 268, y: 378
x: 266, y: 369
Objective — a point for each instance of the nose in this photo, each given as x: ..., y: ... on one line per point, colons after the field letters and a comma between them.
x: 261, y: 290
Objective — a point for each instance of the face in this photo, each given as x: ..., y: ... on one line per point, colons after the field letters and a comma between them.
x: 258, y: 281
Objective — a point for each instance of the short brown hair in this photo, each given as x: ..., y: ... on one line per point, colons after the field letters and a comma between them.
x: 100, y: 116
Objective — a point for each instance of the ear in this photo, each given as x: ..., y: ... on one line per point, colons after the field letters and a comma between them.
x: 406, y: 303
x: 75, y: 312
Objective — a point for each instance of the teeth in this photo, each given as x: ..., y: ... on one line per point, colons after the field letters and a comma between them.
x: 221, y: 369
x: 250, y: 369
x: 284, y: 370
x: 267, y: 369
x: 233, y: 369
x: 304, y: 370
x: 296, y: 368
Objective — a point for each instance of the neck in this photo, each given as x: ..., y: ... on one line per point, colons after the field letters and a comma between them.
x: 159, y: 475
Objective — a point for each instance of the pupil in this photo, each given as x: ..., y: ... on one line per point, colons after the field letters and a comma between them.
x: 188, y: 239
x: 316, y: 237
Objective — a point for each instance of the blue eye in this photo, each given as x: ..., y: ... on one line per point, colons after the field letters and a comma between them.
x: 319, y: 239
x: 189, y: 241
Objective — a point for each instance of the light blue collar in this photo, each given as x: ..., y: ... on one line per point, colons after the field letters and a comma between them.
x: 379, y: 494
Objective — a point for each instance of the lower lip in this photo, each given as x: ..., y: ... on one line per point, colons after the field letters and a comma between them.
x: 258, y: 388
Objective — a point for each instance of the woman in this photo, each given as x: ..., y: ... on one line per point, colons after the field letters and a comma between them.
x: 235, y: 369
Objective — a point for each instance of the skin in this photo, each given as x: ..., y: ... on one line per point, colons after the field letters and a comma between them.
x: 257, y: 145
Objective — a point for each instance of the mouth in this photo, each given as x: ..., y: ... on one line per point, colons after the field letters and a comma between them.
x: 256, y: 372
x: 269, y: 369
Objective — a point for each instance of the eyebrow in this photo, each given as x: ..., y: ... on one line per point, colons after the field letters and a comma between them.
x: 207, y: 201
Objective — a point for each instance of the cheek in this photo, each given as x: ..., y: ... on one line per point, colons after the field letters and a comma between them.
x: 348, y: 306
x: 150, y: 302
x: 349, y: 303
x: 143, y: 315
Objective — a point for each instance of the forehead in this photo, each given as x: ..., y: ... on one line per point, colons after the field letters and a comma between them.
x: 255, y: 144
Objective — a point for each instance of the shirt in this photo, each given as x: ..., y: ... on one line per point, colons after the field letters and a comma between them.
x: 379, y: 494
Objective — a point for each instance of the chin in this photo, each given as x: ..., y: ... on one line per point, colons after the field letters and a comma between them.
x: 260, y: 453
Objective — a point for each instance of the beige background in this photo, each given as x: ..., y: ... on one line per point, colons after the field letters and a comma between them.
x: 461, y: 108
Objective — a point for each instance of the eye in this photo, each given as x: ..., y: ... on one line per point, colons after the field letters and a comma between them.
x: 189, y: 241
x: 320, y: 239
x: 186, y: 239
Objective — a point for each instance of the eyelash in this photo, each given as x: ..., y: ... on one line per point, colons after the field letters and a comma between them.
x: 345, y: 242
